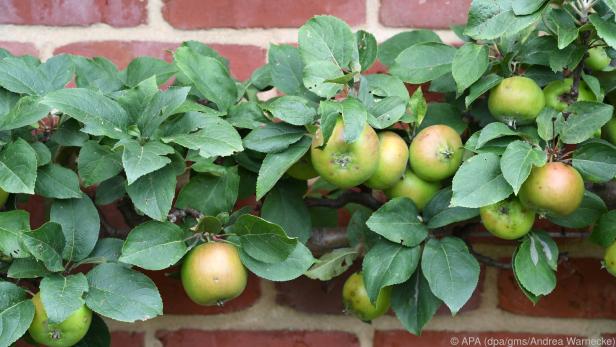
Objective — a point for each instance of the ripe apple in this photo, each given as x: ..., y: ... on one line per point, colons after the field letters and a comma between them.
x: 436, y: 153
x: 393, y: 156
x: 344, y: 164
x: 507, y: 219
x: 414, y: 188
x: 516, y: 99
x: 212, y: 273
x: 555, y: 187
x: 356, y: 301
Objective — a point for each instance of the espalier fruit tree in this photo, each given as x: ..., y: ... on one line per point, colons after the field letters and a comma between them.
x: 524, y: 132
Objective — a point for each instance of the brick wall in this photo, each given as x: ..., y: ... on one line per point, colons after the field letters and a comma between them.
x: 302, y: 312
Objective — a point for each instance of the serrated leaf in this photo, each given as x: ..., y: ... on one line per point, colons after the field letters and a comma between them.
x: 332, y: 264
x: 605, y: 29
x: 326, y: 38
x: 26, y: 111
x: 18, y: 167
x: 154, y: 245
x: 414, y: 303
x: 584, y: 119
x: 493, y: 131
x: 296, y: 264
x: 386, y: 264
x: 55, y: 181
x: 61, y: 295
x: 451, y: 271
x: 273, y: 137
x: 517, y: 162
x: 481, y: 87
x: 535, y: 263
x: 13, y: 224
x: 563, y: 25
x: 284, y: 205
x: 80, y: 224
x: 438, y: 213
x: 46, y: 244
x: 367, y: 49
x: 16, y: 313
x: 211, y: 195
x: 142, y: 68
x: 292, y: 109
x: 488, y: 19
x: 423, y: 62
x: 479, y: 182
x: 97, y: 163
x: 122, y: 294
x: 141, y: 159
x: 397, y: 221
x: 153, y: 193
x: 392, y: 47
x: 263, y: 241
x: 596, y: 161
x: 466, y: 74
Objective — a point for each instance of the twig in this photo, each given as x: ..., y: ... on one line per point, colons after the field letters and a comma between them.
x: 364, y: 199
x: 181, y: 213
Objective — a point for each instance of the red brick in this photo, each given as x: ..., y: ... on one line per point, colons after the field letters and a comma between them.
x: 243, y: 59
x: 432, y: 14
x: 203, y: 14
x: 583, y: 290
x: 38, y: 210
x: 19, y: 48
x: 117, y: 13
x: 126, y: 339
x: 399, y: 338
x: 196, y: 338
x: 175, y: 300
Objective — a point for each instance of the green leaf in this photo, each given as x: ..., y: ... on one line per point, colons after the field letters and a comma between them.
x: 263, y: 241
x: 20, y: 77
x: 217, y: 138
x: 276, y: 164
x: 273, y: 137
x: 153, y: 193
x: 97, y: 163
x: 292, y: 109
x: 110, y: 190
x: 296, y: 264
x: 58, y: 71
x: 387, y: 111
x: 481, y: 87
x: 596, y: 161
x: 43, y: 154
x: 563, y: 25
x: 142, y: 68
x: 211, y: 195
x: 122, y: 294
x: 55, y: 181
x: 354, y: 115
x: 468, y: 65
x: 423, y: 62
x: 61, y: 295
x: 534, y: 263
x: 154, y: 245
x: 13, y: 224
x: 287, y: 69
x: 479, y: 182
x: 69, y: 134
x: 332, y: 264
x: 398, y: 222
x: 367, y: 49
x: 604, y: 232
x: 327, y: 38
x: 16, y: 313
x: 284, y: 205
x: 546, y: 123
x: 605, y: 29
x: 524, y: 7
x: 438, y: 213
x: 98, y: 73
x: 27, y: 111
x: 386, y: 264
x: 139, y: 160
x: 517, y: 161
x: 568, y: 57
x: 247, y: 115
x: 18, y: 167
x: 27, y: 268
x: 488, y: 19
x: 589, y: 211
x: 159, y: 108
x: 46, y: 244
x: 208, y: 75
x: 493, y: 131
x: 80, y: 225
x: 322, y: 78
x: 443, y: 113
x: 101, y: 115
x: 584, y: 119
x: 414, y: 303
x: 107, y: 249
x: 451, y: 271
x: 392, y: 47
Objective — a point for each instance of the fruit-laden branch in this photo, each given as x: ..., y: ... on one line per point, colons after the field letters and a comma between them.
x: 365, y: 199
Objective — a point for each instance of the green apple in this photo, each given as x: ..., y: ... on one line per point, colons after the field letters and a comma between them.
x: 414, y: 188
x: 393, y: 156
x: 507, y: 219
x: 555, y: 91
x: 436, y: 153
x: 597, y: 59
x: 356, y: 300
x: 516, y: 99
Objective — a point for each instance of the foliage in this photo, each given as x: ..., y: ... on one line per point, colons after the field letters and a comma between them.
x: 175, y: 146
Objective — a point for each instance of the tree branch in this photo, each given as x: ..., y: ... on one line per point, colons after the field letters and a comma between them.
x: 181, y: 213
x: 364, y: 199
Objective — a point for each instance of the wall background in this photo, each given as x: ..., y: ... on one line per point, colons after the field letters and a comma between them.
x: 304, y: 312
